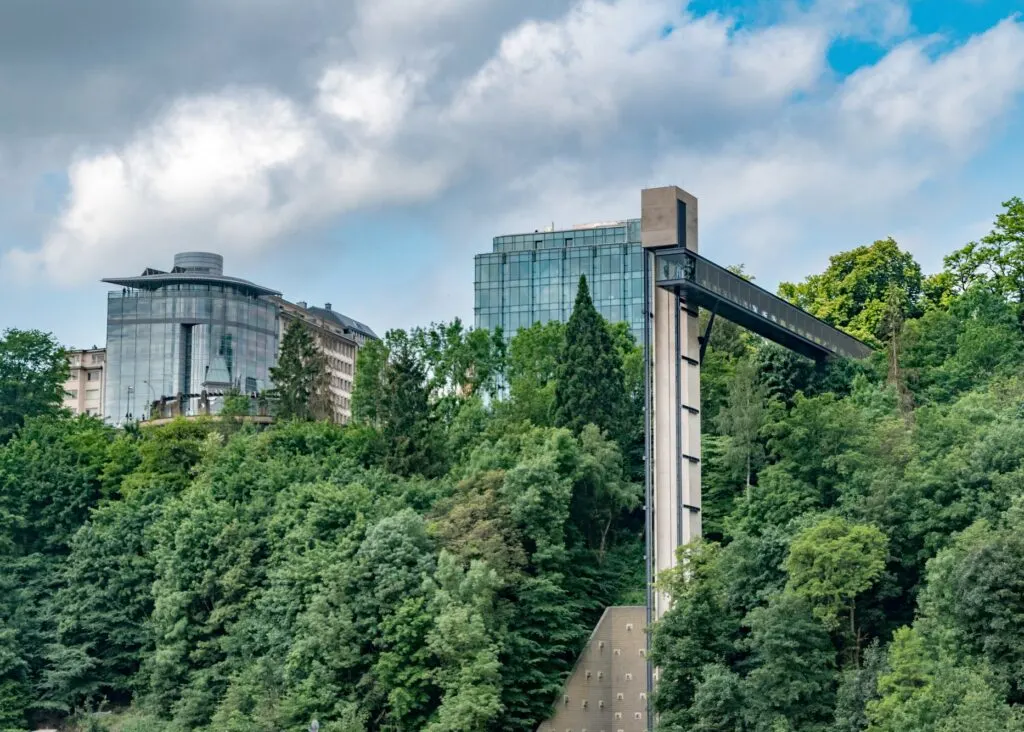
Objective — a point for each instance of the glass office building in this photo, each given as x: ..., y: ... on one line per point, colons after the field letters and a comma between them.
x: 530, y: 278
x: 180, y: 333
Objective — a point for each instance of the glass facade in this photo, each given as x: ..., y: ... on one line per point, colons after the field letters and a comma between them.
x: 530, y: 278
x: 177, y: 336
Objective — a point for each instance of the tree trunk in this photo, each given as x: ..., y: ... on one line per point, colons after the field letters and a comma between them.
x: 748, y: 475
x: 604, y: 538
x: 856, y: 636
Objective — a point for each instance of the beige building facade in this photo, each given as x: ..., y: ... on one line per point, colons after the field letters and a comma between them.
x: 84, y: 390
x: 339, y: 344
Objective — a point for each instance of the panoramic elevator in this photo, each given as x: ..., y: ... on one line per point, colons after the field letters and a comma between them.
x: 609, y: 688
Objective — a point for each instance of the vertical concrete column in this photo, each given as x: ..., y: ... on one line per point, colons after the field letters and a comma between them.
x: 669, y: 221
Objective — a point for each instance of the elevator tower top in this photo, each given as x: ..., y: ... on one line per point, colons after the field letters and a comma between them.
x: 670, y: 230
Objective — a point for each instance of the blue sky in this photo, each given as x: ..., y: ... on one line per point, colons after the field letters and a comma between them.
x: 360, y: 153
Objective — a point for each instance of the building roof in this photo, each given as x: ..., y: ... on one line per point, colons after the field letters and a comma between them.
x: 344, y: 321
x: 203, y: 268
x: 552, y: 229
x: 598, y: 225
x: 163, y: 279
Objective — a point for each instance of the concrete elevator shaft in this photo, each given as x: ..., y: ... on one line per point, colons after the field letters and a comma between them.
x: 672, y: 355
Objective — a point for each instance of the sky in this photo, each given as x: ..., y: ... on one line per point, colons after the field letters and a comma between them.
x: 360, y: 152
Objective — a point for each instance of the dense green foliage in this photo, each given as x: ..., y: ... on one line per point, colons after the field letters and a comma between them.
x: 438, y: 563
x: 588, y: 382
x: 435, y: 566
x: 33, y: 370
x: 866, y: 571
x: 853, y: 291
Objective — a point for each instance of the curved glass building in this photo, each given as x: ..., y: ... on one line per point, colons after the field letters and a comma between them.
x: 181, y: 333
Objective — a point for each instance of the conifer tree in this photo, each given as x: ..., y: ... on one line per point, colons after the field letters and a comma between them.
x: 404, y: 414
x: 589, y: 388
x: 300, y: 377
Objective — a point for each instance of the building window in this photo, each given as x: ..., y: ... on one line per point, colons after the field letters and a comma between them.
x: 72, y: 393
x: 92, y: 375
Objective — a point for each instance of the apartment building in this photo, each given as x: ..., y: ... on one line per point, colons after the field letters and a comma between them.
x: 339, y: 337
x: 84, y: 389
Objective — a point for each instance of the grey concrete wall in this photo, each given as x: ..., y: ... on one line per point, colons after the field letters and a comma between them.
x: 607, y: 691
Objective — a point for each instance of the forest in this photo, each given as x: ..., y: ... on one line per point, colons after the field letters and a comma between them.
x: 438, y: 563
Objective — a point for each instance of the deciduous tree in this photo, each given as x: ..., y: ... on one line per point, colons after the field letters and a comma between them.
x: 833, y: 562
x: 852, y: 292
x: 741, y: 420
x: 33, y: 369
x: 532, y: 371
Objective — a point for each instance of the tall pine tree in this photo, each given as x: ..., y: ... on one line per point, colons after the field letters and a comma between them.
x: 300, y: 378
x: 405, y: 417
x: 590, y: 387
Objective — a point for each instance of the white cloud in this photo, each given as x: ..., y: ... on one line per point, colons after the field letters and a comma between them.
x: 206, y: 170
x: 387, y: 22
x: 843, y: 160
x: 953, y: 98
x: 565, y: 119
x: 232, y: 172
x: 869, y: 20
x: 609, y: 61
x: 374, y: 101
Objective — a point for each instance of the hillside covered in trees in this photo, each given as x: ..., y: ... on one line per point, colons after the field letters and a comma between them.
x: 437, y: 564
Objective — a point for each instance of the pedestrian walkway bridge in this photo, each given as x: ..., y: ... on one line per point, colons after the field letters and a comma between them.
x: 703, y: 283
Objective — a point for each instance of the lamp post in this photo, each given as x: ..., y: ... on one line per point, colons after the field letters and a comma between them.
x: 152, y: 396
x: 128, y: 413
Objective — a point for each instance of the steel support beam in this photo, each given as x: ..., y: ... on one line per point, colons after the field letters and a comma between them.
x: 649, y: 465
x: 706, y: 338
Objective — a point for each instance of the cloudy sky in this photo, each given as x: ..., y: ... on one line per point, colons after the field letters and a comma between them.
x: 361, y: 151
